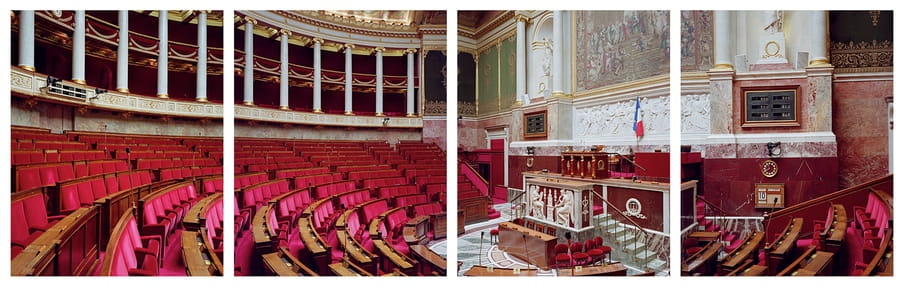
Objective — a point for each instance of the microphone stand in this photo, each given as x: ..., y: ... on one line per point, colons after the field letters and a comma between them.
x: 480, y: 253
x: 766, y: 247
x: 526, y: 254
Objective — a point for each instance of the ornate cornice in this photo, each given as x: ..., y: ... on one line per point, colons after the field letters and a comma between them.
x: 259, y: 114
x: 28, y: 84
x: 862, y: 57
x: 371, y: 29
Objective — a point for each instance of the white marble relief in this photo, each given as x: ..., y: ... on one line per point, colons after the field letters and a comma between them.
x: 695, y: 114
x: 617, y: 119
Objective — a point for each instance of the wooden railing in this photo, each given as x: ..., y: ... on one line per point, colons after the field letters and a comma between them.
x: 69, y: 248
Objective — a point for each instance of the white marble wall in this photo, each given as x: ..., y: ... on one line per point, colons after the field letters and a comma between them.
x: 695, y: 114
x: 613, y: 122
x: 539, y: 60
x: 326, y: 133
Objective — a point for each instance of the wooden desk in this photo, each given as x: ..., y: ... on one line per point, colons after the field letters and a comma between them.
x: 346, y: 268
x: 749, y: 248
x: 781, y: 248
x: 429, y: 260
x: 833, y: 235
x: 705, y: 258
x: 415, y: 230
x: 282, y: 263
x: 391, y: 258
x: 314, y: 245
x: 461, y: 221
x: 755, y: 270
x: 614, y: 269
x: 194, y: 219
x: 705, y: 236
x: 199, y: 259
x: 262, y: 233
x: 438, y: 221
x: 352, y: 248
x: 530, y: 245
x: 475, y: 208
x: 478, y: 270
x: 811, y: 262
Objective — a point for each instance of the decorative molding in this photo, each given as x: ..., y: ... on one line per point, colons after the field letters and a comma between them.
x: 23, y: 82
x: 864, y: 56
x: 468, y: 109
x: 258, y: 114
x: 614, y: 120
x: 435, y: 108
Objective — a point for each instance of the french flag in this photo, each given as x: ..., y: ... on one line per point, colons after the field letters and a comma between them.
x: 638, y: 121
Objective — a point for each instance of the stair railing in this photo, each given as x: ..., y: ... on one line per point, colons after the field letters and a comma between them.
x: 659, y: 242
x: 517, y: 205
x: 482, y: 184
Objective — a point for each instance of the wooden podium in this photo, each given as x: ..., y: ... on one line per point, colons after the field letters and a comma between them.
x: 585, y: 164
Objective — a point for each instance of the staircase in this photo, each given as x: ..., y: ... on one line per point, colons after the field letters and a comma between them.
x: 628, y: 244
x: 466, y: 185
x: 730, y: 240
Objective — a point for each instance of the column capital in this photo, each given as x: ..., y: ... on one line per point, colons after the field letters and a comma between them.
x: 379, y: 49
x: 348, y: 46
x: 522, y: 18
x: 410, y: 51
x: 249, y: 19
x: 285, y: 32
x: 204, y: 11
x: 317, y: 40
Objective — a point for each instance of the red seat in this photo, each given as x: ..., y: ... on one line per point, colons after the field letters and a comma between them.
x: 562, y: 258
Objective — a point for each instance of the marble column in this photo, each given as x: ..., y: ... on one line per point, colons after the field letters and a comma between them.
x: 162, y: 55
x: 318, y: 108
x: 27, y: 40
x: 201, y: 70
x: 379, y: 53
x: 122, y: 53
x: 409, y: 101
x: 722, y: 27
x: 348, y: 79
x: 520, y: 72
x: 78, y: 48
x: 557, y: 46
x: 284, y: 69
x: 819, y: 42
x: 249, y: 62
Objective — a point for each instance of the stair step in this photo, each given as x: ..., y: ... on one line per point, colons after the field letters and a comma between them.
x: 625, y: 240
x: 645, y: 256
x: 657, y: 264
x: 630, y: 248
x: 616, y: 230
x: 729, y: 237
x: 714, y: 227
x: 706, y: 222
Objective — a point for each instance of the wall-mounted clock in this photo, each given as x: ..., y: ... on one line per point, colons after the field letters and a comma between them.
x: 769, y: 168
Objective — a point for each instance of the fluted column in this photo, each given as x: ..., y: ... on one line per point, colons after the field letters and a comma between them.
x: 409, y: 110
x: 78, y: 48
x: 520, y: 51
x: 379, y: 52
x: 557, y: 46
x: 249, y: 61
x: 818, y: 49
x: 318, y: 108
x: 122, y: 53
x: 348, y: 79
x: 284, y: 68
x: 27, y: 40
x: 162, y: 56
x: 722, y: 26
x: 201, y: 71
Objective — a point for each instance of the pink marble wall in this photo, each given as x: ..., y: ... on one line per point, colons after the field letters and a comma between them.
x: 860, y: 126
x: 435, y: 132
x: 472, y: 133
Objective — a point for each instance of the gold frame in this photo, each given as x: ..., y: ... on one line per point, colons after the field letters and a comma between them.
x: 545, y: 125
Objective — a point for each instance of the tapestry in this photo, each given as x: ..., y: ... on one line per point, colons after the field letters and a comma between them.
x: 619, y: 46
x: 696, y: 41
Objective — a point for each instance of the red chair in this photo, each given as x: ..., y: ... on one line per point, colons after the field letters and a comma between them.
x: 494, y: 233
x: 562, y: 257
x: 577, y: 253
x: 604, y: 250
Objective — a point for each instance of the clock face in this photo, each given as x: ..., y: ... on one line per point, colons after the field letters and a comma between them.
x: 769, y: 168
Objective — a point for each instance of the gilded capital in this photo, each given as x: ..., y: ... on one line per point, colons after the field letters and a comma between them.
x: 317, y: 40
x: 348, y: 46
x: 249, y: 19
x: 522, y: 18
x: 379, y: 49
x: 204, y: 11
x: 285, y: 32
x: 410, y: 51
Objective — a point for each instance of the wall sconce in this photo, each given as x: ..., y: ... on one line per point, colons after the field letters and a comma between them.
x: 385, y: 122
x: 773, y: 149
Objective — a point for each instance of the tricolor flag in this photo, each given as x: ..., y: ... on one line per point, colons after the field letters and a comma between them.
x: 638, y: 121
